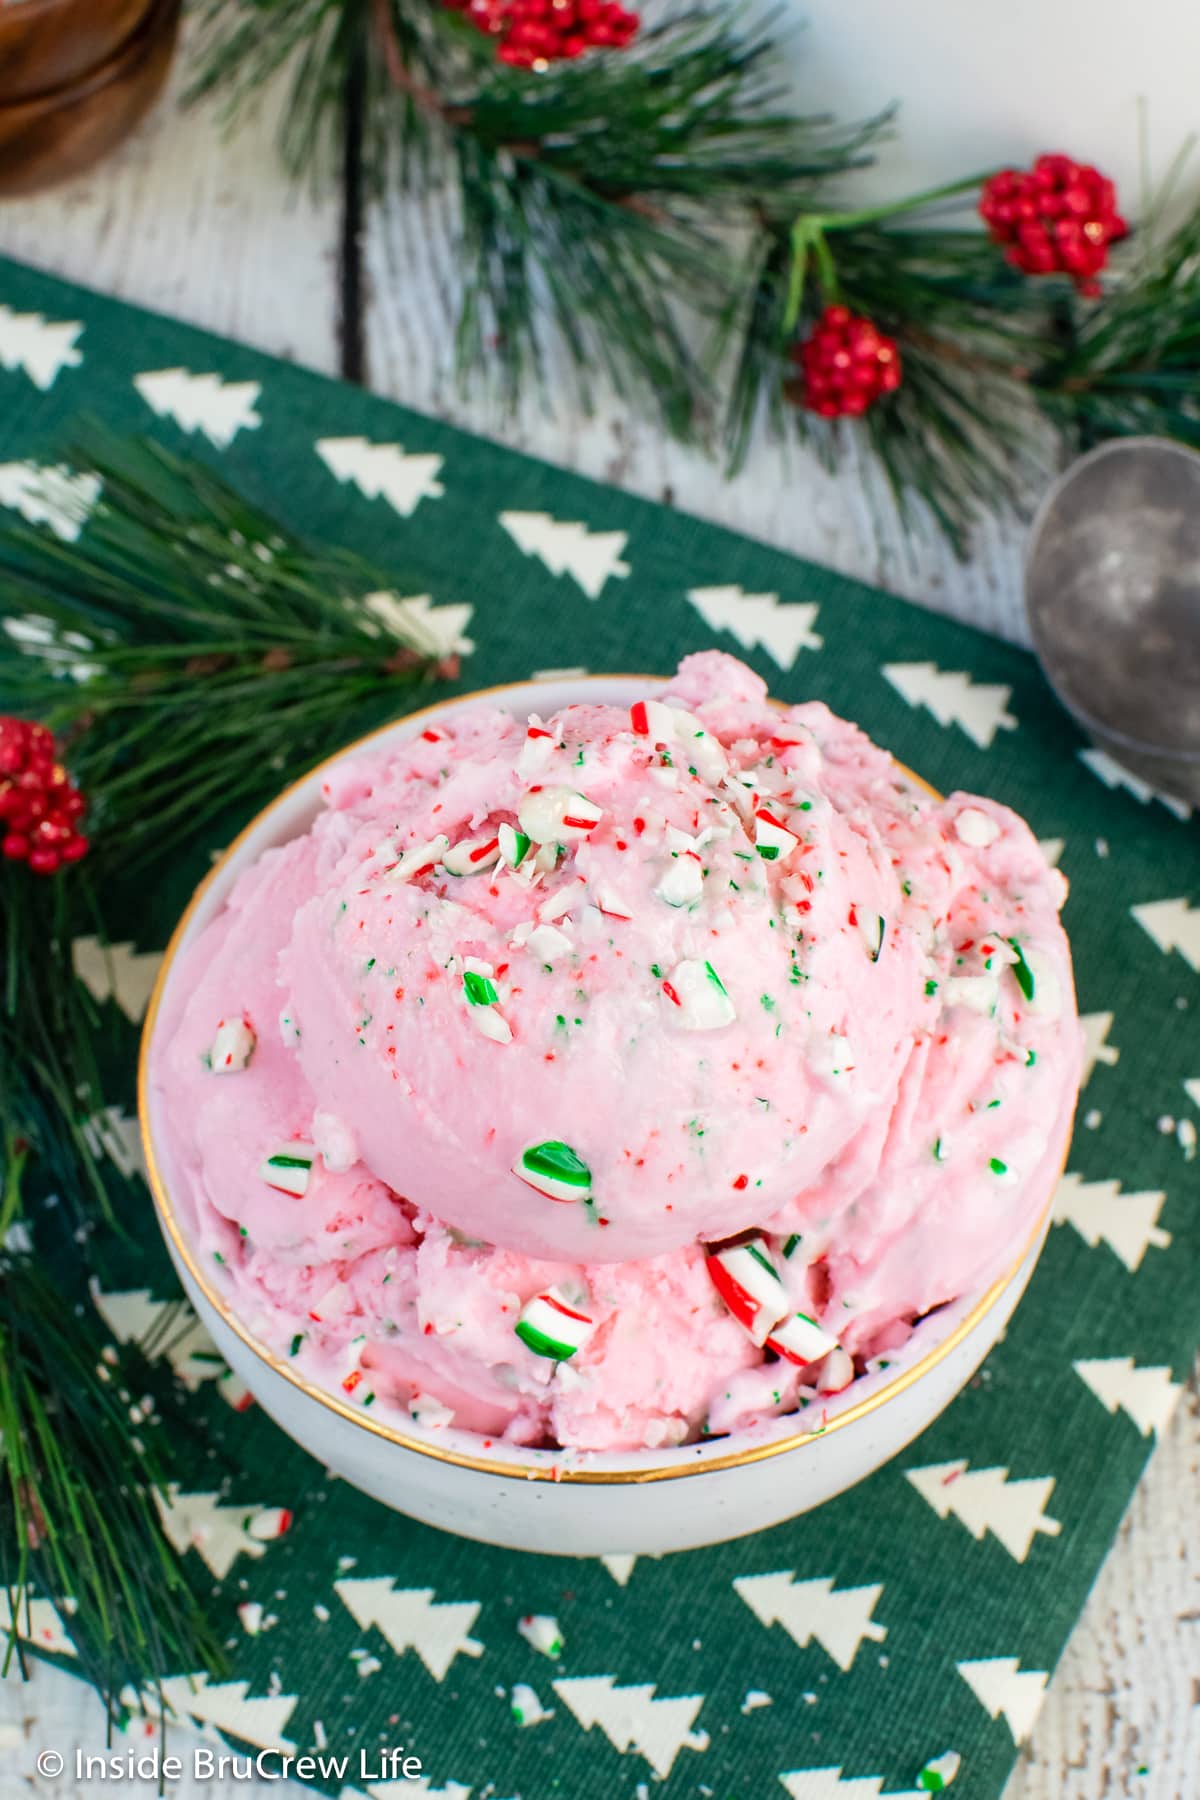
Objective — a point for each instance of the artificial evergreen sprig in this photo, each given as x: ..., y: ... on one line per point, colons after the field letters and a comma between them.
x: 78, y: 1521
x: 595, y: 199
x: 189, y: 648
x: 665, y: 213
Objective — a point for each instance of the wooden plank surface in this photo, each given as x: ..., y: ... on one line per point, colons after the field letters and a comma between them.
x: 203, y: 227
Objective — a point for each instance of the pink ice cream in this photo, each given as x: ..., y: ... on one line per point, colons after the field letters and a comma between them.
x: 564, y: 1061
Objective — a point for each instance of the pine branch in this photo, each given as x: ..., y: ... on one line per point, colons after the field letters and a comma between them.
x: 588, y: 198
x: 217, y: 649
x: 78, y: 1521
x: 1132, y: 364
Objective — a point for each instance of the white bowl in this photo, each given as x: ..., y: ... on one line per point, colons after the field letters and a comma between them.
x: 572, y: 1504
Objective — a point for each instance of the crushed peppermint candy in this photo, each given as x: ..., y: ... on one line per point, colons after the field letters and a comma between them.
x: 420, y: 860
x: 482, y: 1000
x: 772, y: 839
x: 232, y: 1047
x: 537, y: 750
x: 550, y: 1325
x: 514, y: 846
x: 799, y: 1339
x: 975, y: 827
x: 555, y: 1170
x: 557, y: 815
x: 541, y: 1632
x: 471, y: 856
x: 288, y: 1167
x: 698, y: 997
x: 289, y: 1031
x: 683, y: 882
x: 751, y: 1286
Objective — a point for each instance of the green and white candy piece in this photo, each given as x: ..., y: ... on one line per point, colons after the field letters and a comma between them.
x: 555, y: 1170
x: 557, y: 815
x: 232, y: 1047
x: 542, y: 1633
x: 801, y: 1337
x: 772, y: 839
x: 514, y: 846
x: 698, y: 997
x: 975, y: 827
x: 421, y: 856
x: 481, y: 996
x: 872, y: 927
x: 1034, y: 975
x: 939, y: 1772
x: 288, y: 1167
x: 471, y: 856
x: 550, y: 1325
x: 683, y: 883
x: 979, y: 993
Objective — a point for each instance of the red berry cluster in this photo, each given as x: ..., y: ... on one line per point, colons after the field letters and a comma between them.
x: 846, y: 364
x: 1057, y: 218
x: 40, y: 807
x: 534, y: 33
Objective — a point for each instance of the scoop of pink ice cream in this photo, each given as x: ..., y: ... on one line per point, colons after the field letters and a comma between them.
x: 463, y: 1085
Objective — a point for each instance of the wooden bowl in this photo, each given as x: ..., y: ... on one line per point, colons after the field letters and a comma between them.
x: 76, y: 76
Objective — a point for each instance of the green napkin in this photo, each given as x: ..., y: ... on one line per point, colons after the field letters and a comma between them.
x: 923, y: 1612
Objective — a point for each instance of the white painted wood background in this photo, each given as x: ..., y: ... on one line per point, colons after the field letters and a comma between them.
x: 202, y: 226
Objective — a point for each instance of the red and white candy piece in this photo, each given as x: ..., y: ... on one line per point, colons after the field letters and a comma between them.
x: 748, y: 1282
x: 288, y: 1167
x: 836, y: 1372
x: 552, y: 1324
x: 772, y: 839
x: 539, y: 746
x: 482, y: 998
x: 557, y: 815
x: 799, y: 1339
x: 232, y: 1047
x: 471, y: 856
x: 683, y: 734
x: 420, y: 860
x: 698, y: 997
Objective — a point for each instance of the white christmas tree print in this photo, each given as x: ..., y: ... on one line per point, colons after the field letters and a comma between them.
x: 167, y: 1328
x: 114, y: 1134
x: 1052, y: 849
x: 620, y: 1567
x: 219, y: 1530
x: 410, y: 1619
x: 979, y: 709
x: 759, y: 621
x: 118, y: 972
x: 383, y: 471
x: 1174, y: 925
x: 38, y: 1622
x: 1192, y: 1090
x: 438, y: 630
x: 225, y: 1706
x: 568, y: 548
x: 986, y: 1500
x: 1128, y: 1223
x: 1148, y: 1394
x: 1002, y: 1687
x: 831, y: 1784
x: 1114, y: 776
x: 839, y: 1619
x: 631, y: 1718
x: 49, y: 494
x: 1096, y: 1048
x: 205, y: 403
x: 38, y: 347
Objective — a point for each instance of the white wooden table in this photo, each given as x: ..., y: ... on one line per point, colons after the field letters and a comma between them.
x: 203, y: 227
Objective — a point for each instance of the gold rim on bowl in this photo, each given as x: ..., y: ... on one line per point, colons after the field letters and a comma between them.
x: 552, y: 1471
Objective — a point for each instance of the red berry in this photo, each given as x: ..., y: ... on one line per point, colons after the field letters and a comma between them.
x: 846, y: 365
x: 1057, y: 218
x: 39, y: 805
